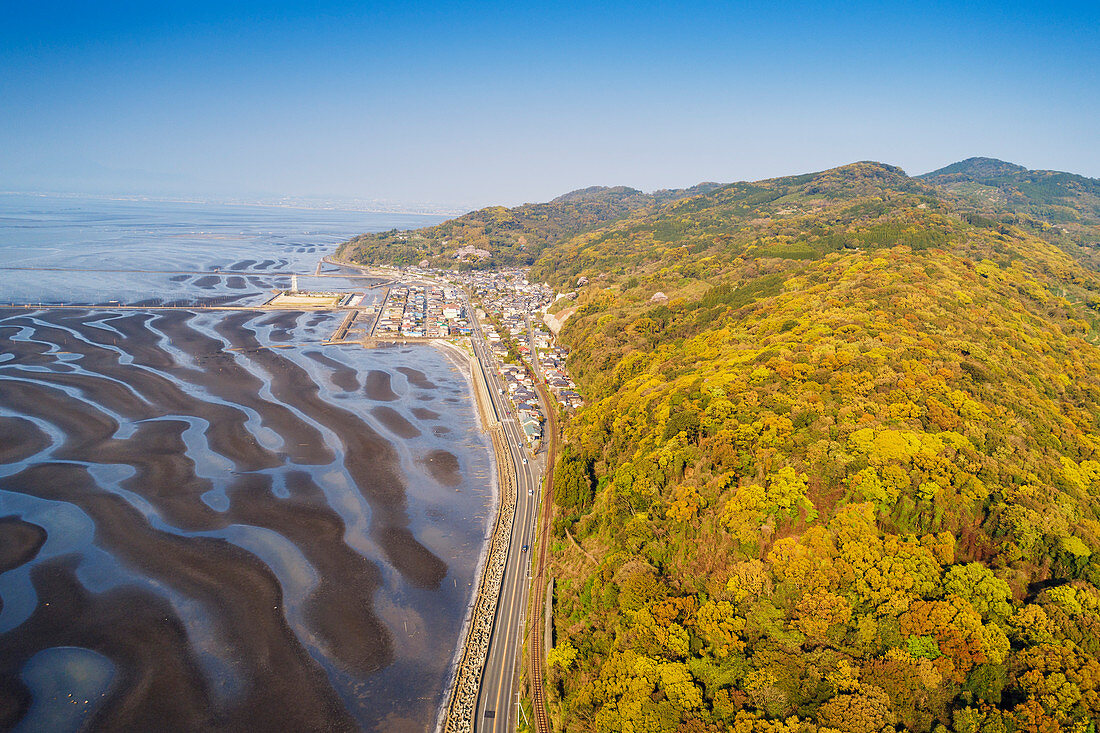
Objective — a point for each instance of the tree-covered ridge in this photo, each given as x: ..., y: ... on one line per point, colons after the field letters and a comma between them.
x: 853, y: 489
x: 977, y: 168
x: 510, y: 237
x: 798, y: 217
x: 1061, y: 207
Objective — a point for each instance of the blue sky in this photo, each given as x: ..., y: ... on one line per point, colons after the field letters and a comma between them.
x: 477, y: 103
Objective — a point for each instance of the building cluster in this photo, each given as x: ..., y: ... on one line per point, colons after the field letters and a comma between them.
x: 417, y: 311
x: 506, y: 293
x: 515, y: 303
x: 537, y: 348
x: 525, y: 401
x: 551, y: 361
x: 507, y: 298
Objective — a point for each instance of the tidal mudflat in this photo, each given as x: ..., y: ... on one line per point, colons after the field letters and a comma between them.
x: 211, y: 521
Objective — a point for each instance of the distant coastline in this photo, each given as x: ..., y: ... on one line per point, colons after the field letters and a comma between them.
x: 366, y: 206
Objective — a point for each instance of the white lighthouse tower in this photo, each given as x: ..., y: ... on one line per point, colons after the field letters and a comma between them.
x: 294, y: 283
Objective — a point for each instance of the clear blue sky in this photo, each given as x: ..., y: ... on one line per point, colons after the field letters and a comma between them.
x: 477, y: 103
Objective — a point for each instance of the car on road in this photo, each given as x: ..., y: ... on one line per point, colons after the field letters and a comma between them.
x: 525, y: 548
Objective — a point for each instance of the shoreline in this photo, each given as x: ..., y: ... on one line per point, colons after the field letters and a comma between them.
x: 471, y: 655
x: 475, y: 380
x: 160, y: 377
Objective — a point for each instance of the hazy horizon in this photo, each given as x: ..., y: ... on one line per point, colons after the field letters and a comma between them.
x: 427, y: 108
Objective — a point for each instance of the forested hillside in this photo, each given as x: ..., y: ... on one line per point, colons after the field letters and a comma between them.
x: 1063, y: 208
x: 1052, y: 195
x: 847, y: 478
x: 506, y: 237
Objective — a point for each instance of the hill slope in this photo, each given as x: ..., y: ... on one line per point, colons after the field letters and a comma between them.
x: 506, y: 237
x: 846, y: 479
x: 1061, y: 207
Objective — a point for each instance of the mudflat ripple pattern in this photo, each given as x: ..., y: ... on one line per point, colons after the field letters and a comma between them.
x: 202, y: 532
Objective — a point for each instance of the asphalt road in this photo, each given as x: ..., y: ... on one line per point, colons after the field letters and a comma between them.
x: 497, y: 698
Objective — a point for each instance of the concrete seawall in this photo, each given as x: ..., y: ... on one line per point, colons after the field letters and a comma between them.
x: 462, y: 707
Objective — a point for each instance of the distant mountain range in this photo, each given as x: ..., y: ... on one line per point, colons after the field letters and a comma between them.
x: 509, y: 237
x: 1061, y: 207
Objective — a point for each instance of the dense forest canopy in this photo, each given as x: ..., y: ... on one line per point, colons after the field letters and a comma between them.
x: 1063, y: 208
x: 846, y: 479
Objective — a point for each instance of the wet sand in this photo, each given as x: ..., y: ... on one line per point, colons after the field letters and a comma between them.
x: 394, y: 422
x: 347, y: 580
x: 216, y: 432
x: 20, y: 439
x: 369, y: 459
x: 417, y: 378
x: 443, y: 466
x: 342, y: 375
x: 378, y: 386
x: 282, y: 325
x: 225, y: 424
x: 160, y: 686
x: 19, y: 542
x: 222, y: 376
x: 423, y: 413
x: 23, y: 352
x: 241, y: 592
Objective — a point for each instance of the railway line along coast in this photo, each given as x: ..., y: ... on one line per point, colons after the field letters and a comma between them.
x: 537, y: 656
x: 460, y: 711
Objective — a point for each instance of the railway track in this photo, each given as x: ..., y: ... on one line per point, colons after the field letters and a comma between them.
x: 538, y: 584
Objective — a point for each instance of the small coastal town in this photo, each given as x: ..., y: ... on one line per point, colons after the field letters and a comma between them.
x: 423, y: 312
x: 509, y: 310
x: 522, y: 344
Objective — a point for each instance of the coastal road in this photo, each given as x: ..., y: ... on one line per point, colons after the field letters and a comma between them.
x: 496, y: 706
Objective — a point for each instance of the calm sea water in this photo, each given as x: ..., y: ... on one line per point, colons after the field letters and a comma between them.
x: 43, y: 236
x: 411, y: 517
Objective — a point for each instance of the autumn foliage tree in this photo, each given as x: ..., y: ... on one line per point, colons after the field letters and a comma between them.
x: 847, y: 478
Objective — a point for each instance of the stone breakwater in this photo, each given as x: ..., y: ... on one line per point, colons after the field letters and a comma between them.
x: 463, y: 706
